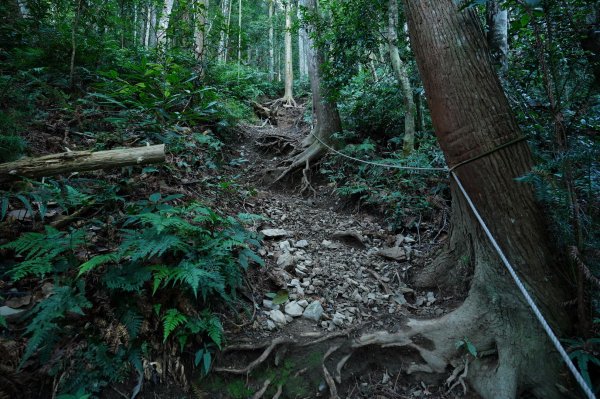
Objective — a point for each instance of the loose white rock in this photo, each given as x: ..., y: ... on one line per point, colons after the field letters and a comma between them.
x: 303, y: 303
x: 294, y: 309
x: 301, y: 244
x: 278, y: 317
x: 274, y: 233
x: 314, y: 311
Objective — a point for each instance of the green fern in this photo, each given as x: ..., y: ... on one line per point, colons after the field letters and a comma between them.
x: 42, y: 251
x: 171, y: 320
x: 39, y: 267
x: 97, y: 261
x: 44, y: 328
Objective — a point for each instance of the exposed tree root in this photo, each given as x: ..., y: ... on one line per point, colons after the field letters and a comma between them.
x: 303, y: 159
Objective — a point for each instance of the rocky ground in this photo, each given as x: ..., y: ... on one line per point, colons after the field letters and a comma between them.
x: 330, y: 268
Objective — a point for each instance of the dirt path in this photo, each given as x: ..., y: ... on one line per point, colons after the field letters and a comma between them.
x: 329, y: 270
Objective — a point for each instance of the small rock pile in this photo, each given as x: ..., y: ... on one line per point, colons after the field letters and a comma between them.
x: 336, y: 270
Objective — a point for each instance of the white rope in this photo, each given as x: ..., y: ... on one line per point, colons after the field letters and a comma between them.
x: 384, y: 165
x: 528, y: 298
x: 538, y: 314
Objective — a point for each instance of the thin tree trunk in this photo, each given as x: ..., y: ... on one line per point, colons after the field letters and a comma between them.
x: 239, y: 36
x: 163, y: 24
x: 225, y: 6
x: 497, y: 35
x: 471, y: 117
x: 226, y: 49
x: 74, y: 44
x: 288, y: 96
x: 326, y: 118
x: 302, y: 64
x: 200, y: 29
x: 271, y: 44
x: 402, y: 76
x: 144, y: 28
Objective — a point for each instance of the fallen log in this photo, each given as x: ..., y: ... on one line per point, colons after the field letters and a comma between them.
x: 80, y: 161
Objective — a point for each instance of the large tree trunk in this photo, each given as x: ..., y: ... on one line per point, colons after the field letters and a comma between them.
x: 200, y: 29
x: 80, y: 161
x: 302, y: 65
x: 402, y: 76
x: 271, y: 44
x: 239, y: 36
x: 497, y: 35
x: 288, y: 96
x: 472, y: 117
x: 326, y: 118
x: 226, y: 11
x: 163, y: 24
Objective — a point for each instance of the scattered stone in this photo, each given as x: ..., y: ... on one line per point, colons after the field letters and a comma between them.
x: 338, y: 319
x: 420, y: 301
x: 314, y: 311
x: 270, y: 305
x: 285, y: 246
x: 396, y: 253
x: 439, y: 312
x: 271, y: 325
x: 301, y: 244
x: 5, y: 311
x: 274, y: 233
x: 350, y: 238
x: 286, y: 261
x: 288, y: 318
x: 330, y: 245
x: 430, y: 298
x: 399, y: 299
x: 294, y: 309
x: 303, y: 303
x: 278, y: 317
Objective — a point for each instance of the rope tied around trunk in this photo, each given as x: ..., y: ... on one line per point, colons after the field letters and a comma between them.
x: 536, y: 311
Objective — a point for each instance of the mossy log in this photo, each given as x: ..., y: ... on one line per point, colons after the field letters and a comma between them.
x: 80, y: 161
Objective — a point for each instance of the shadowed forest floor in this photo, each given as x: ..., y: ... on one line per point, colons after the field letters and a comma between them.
x: 322, y: 249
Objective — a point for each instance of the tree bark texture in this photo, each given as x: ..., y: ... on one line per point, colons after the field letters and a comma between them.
x: 200, y: 28
x: 163, y: 23
x: 226, y: 12
x: 80, y: 161
x: 402, y: 76
x: 497, y: 34
x: 288, y: 96
x: 326, y: 118
x: 302, y: 67
x: 471, y: 117
x: 271, y: 44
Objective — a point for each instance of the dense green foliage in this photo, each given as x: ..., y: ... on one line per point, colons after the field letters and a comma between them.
x: 128, y: 270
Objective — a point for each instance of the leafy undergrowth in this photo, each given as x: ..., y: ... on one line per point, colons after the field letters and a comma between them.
x: 108, y: 277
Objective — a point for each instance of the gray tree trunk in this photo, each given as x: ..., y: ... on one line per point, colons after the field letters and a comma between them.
x: 497, y: 35
x: 200, y: 28
x: 402, y: 76
x: 163, y: 24
x: 271, y: 44
x: 288, y: 97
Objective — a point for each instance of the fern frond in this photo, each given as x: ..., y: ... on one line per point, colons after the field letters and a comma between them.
x: 148, y: 244
x: 197, y: 278
x: 97, y: 261
x: 38, y: 267
x: 171, y: 320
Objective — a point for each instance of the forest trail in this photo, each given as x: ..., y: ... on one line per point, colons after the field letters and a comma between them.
x: 330, y: 268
